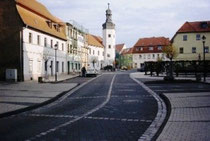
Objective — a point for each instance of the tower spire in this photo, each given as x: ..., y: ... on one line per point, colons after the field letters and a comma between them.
x: 108, y: 24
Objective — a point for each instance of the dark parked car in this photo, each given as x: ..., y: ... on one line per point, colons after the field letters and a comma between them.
x: 109, y: 68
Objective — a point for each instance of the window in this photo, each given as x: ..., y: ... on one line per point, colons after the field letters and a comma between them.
x: 198, y: 36
x: 45, y: 65
x: 30, y: 38
x: 150, y: 48
x: 71, y: 49
x: 45, y: 42
x: 181, y: 50
x: 49, y: 23
x: 159, y: 47
x: 62, y: 47
x: 38, y: 40
x: 89, y: 51
x: 51, y: 66
x: 57, y: 66
x: 163, y: 56
x: 109, y: 46
x: 139, y: 49
x: 108, y: 55
x: 193, y: 49
x: 62, y: 66
x: 109, y: 35
x: 204, y: 25
x: 98, y: 53
x: 206, y: 49
x: 38, y: 66
x: 153, y: 56
x: 30, y: 66
x: 148, y: 56
x: 184, y: 37
x: 79, y: 66
x: 76, y: 66
x: 51, y: 43
x: 140, y: 56
x: 68, y: 49
x: 93, y: 52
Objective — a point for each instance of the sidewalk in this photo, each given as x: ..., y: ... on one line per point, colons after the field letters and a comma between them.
x: 60, y: 77
x: 189, y: 118
x: 154, y: 77
x: 19, y: 96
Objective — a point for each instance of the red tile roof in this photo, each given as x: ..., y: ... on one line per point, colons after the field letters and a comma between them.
x: 199, y: 26
x: 119, y: 47
x: 143, y: 45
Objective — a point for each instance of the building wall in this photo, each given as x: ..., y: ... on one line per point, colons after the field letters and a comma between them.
x: 139, y: 59
x: 95, y: 53
x: 191, y: 42
x: 109, y: 53
x: 10, y: 39
x: 39, y: 60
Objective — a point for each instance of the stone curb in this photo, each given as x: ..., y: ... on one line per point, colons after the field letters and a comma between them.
x: 155, y: 126
x: 168, y: 113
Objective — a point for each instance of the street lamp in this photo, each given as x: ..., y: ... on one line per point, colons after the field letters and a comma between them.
x: 56, y: 48
x: 204, y: 51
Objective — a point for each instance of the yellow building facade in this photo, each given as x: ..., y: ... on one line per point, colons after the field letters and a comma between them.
x: 189, y: 43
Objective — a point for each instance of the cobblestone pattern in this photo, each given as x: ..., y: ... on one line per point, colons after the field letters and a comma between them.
x: 159, y: 119
x: 189, y: 119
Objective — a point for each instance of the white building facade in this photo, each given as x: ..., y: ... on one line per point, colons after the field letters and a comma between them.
x: 149, y: 50
x: 140, y: 58
x: 95, y: 53
x: 39, y: 55
x: 76, y: 41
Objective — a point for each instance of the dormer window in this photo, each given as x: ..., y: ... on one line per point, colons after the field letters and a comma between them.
x: 49, y: 23
x: 150, y: 48
x: 57, y: 27
x: 159, y: 47
x: 204, y: 25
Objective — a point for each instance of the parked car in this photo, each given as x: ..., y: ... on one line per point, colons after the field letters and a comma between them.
x: 109, y: 68
x: 91, y: 72
x: 124, y: 68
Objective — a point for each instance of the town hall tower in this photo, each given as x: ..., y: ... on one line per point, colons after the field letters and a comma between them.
x: 109, y: 39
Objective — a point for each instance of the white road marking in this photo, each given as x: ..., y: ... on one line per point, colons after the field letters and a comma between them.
x: 89, y: 117
x: 84, y: 115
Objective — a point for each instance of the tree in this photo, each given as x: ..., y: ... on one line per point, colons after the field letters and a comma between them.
x: 171, y: 53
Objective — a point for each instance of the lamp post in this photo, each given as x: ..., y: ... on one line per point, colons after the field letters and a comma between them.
x: 56, y: 48
x: 204, y: 64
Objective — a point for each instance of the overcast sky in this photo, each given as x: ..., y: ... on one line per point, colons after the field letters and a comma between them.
x: 134, y: 19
